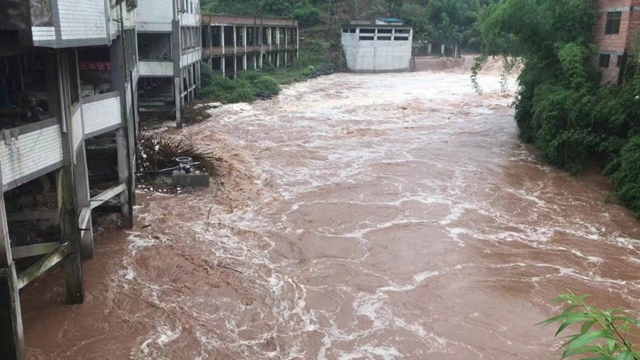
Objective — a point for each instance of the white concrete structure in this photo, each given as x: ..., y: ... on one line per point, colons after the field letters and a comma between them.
x: 169, y: 46
x: 76, y: 60
x: 377, y: 48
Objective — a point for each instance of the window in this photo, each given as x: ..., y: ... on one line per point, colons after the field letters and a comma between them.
x: 366, y: 38
x: 384, y: 38
x: 352, y: 31
x: 385, y: 31
x: 400, y: 38
x: 402, y: 31
x: 613, y: 23
x: 344, y: 30
x: 604, y: 61
x: 367, y: 31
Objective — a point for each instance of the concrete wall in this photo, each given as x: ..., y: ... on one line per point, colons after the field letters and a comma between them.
x: 154, y: 15
x: 377, y: 55
x: 156, y: 68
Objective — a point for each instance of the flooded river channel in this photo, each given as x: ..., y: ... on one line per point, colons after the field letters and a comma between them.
x: 391, y: 216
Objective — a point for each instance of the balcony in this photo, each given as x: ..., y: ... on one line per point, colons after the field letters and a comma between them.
x: 157, y: 68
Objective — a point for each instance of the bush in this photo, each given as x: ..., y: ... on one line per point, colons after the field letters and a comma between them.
x: 627, y: 175
x: 242, y: 94
x: 267, y: 86
x: 307, y: 15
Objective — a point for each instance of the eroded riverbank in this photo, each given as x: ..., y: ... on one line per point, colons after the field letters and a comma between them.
x: 361, y: 217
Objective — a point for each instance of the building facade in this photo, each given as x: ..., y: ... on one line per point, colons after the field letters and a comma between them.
x: 377, y: 47
x: 68, y: 75
x: 614, y: 34
x: 169, y: 46
x: 232, y: 44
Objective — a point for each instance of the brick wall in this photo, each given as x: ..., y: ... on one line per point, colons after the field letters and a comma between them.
x: 616, y: 44
x: 82, y: 19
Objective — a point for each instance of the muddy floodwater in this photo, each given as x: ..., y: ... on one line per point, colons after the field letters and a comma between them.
x: 389, y: 216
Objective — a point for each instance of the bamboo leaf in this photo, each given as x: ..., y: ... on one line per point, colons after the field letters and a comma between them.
x: 625, y: 355
x: 587, y: 326
x: 588, y: 338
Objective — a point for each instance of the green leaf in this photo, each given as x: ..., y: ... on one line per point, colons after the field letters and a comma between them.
x: 588, y: 338
x: 587, y: 326
x: 612, y: 344
x: 625, y: 355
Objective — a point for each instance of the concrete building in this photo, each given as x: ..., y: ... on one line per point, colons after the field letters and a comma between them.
x: 169, y: 46
x: 377, y: 47
x: 68, y: 75
x: 232, y: 44
x: 614, y: 34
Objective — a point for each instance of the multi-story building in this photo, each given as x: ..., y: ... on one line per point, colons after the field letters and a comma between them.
x: 232, y: 44
x: 169, y: 46
x: 68, y: 75
x: 615, y: 33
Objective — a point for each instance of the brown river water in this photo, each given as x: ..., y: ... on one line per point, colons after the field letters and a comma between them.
x: 390, y: 216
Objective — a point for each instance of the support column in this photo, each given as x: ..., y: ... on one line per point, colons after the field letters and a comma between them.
x: 261, y: 60
x: 286, y: 46
x: 442, y: 49
x: 124, y: 177
x: 11, y: 331
x: 67, y: 197
x: 178, y: 100
x: 297, y: 43
x: 429, y: 48
x: 235, y: 52
x: 209, y: 37
x: 244, y: 43
x: 83, y: 197
x: 222, y: 59
x: 255, y: 60
x: 70, y: 233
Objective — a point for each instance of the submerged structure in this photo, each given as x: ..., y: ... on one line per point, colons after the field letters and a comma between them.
x: 233, y: 44
x: 68, y: 85
x: 383, y: 45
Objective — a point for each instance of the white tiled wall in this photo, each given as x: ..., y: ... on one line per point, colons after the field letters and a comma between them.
x: 101, y: 114
x: 43, y: 33
x: 82, y: 19
x: 30, y: 152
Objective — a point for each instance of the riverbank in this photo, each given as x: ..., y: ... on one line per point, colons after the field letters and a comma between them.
x: 359, y: 216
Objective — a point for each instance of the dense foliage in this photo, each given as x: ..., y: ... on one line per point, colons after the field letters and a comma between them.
x: 604, y: 334
x: 561, y: 106
x: 246, y: 88
x: 442, y: 20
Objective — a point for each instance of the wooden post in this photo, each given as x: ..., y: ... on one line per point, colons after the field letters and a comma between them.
x: 124, y: 176
x: 70, y: 233
x: 11, y: 332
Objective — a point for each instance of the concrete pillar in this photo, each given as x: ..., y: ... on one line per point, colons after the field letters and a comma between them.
x: 209, y: 37
x: 124, y: 177
x: 222, y: 38
x: 177, y: 84
x: 11, y: 330
x: 223, y: 65
x: 261, y: 60
x: 278, y: 37
x: 235, y: 41
x: 297, y: 43
x: 255, y: 60
x: 83, y: 199
x: 286, y: 46
x: 442, y: 50
x: 244, y: 43
x: 429, y: 52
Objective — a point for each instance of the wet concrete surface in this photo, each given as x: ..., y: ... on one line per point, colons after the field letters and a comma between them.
x: 359, y: 217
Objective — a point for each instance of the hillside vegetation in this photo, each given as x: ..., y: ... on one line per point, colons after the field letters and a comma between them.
x: 561, y: 106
